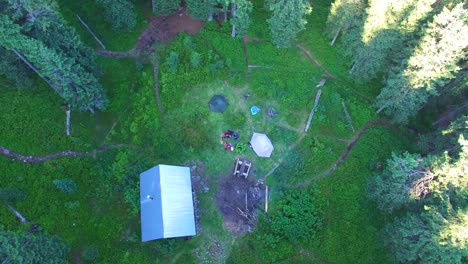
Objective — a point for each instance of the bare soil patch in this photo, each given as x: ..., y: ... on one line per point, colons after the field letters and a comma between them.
x: 237, y: 199
x: 165, y: 28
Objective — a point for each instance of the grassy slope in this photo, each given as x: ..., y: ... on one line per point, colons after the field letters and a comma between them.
x: 349, y: 235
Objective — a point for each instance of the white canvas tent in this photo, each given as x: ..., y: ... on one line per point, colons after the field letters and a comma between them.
x: 261, y: 144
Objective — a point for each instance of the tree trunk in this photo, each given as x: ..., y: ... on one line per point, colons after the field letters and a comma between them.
x: 233, y: 16
x: 33, y: 68
x: 17, y: 214
x: 381, y: 108
x: 348, y: 116
x: 352, y: 68
x: 311, y: 115
x: 335, y: 37
x: 91, y: 32
x: 225, y: 14
x: 153, y: 5
x: 68, y: 120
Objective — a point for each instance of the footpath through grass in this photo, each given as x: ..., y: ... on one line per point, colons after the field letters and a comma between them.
x: 104, y: 210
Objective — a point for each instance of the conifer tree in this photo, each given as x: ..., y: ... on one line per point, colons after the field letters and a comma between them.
x: 165, y: 7
x: 388, y: 27
x: 344, y: 14
x: 201, y: 9
x: 432, y: 64
x: 120, y: 13
x: 70, y: 80
x: 31, y: 248
x: 287, y: 20
x: 240, y: 20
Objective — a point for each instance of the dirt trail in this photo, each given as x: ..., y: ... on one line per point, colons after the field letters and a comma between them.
x: 39, y: 159
x: 308, y: 54
x: 349, y: 148
x: 161, y: 29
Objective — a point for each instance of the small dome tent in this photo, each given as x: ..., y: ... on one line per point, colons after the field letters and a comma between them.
x: 218, y: 103
x: 261, y: 144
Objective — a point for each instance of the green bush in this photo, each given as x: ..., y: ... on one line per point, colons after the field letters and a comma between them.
x: 90, y: 253
x: 240, y: 147
x: 72, y: 205
x: 173, y: 61
x: 67, y: 186
x: 298, y: 216
x: 195, y: 60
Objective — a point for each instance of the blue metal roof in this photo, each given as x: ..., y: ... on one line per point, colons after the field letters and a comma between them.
x: 166, y: 203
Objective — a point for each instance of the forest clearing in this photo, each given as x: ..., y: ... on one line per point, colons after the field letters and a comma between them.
x: 312, y: 131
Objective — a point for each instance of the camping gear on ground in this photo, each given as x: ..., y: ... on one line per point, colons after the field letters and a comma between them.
x: 242, y: 168
x: 254, y: 110
x: 218, y: 103
x: 228, y: 146
x: 261, y: 144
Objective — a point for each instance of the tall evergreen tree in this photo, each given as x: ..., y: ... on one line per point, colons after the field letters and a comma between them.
x: 120, y: 13
x: 71, y: 81
x: 14, y: 70
x: 388, y: 26
x: 202, y: 9
x: 428, y: 237
x: 344, y: 14
x: 287, y: 20
x: 29, y: 248
x: 432, y: 64
x: 165, y: 7
x: 240, y: 20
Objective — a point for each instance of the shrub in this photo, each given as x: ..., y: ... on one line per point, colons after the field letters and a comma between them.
x: 297, y: 217
x: 90, y: 253
x: 173, y: 61
x: 72, y: 205
x: 195, y: 60
x: 67, y: 186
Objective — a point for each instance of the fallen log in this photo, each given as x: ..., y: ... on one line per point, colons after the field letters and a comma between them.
x: 311, y: 115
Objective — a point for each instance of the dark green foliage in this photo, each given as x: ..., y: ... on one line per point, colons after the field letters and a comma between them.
x: 120, y: 13
x: 67, y: 186
x: 173, y: 61
x: 410, y: 84
x: 14, y: 70
x: 195, y: 60
x: 12, y: 194
x: 72, y: 205
x: 165, y: 7
x: 90, y: 253
x: 427, y: 237
x: 242, y: 19
x: 298, y: 216
x: 28, y: 248
x: 201, y: 9
x: 55, y: 52
x: 395, y: 186
x: 287, y: 20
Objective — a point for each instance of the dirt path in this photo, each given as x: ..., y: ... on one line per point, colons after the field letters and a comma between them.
x: 309, y: 55
x: 348, y: 149
x: 39, y: 159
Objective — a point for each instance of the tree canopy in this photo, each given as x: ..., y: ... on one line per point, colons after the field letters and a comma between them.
x: 287, y: 20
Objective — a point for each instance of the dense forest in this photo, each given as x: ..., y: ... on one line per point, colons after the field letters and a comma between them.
x: 365, y: 103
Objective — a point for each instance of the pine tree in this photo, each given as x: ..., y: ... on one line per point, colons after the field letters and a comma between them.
x: 344, y: 14
x: 120, y: 13
x: 287, y: 20
x: 389, y: 26
x: 29, y: 248
x: 432, y: 64
x: 70, y: 80
x: 405, y: 180
x: 240, y: 20
x: 201, y: 9
x: 428, y: 237
x: 165, y: 7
